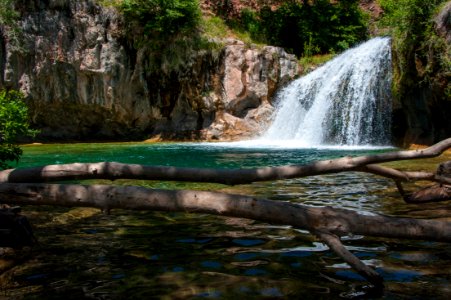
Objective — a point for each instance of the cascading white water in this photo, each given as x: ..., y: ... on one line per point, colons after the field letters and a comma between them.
x: 347, y: 101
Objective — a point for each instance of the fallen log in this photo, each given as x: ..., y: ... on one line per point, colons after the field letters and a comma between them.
x: 326, y: 222
x: 114, y: 170
x: 334, y: 220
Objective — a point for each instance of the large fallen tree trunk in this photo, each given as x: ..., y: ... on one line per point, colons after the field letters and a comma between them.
x: 334, y: 220
x: 326, y: 222
x: 112, y: 170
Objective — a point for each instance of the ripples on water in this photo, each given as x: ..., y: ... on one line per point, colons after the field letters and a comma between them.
x: 85, y: 254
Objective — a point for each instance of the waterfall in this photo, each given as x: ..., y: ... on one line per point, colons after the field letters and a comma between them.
x: 347, y: 101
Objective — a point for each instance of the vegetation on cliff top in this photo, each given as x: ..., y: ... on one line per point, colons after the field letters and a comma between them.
x: 173, y: 32
x: 301, y: 27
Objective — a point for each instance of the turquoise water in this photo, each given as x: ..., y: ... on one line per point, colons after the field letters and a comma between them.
x: 214, y: 155
x: 134, y: 255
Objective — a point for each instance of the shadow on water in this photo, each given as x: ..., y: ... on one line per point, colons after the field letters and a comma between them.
x: 87, y: 255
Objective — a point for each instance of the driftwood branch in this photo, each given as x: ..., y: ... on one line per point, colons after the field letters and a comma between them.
x: 112, y: 170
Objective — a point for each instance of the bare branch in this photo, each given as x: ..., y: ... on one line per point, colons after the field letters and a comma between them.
x: 397, y: 174
x: 335, y: 244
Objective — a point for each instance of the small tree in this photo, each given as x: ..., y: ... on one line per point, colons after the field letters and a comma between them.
x: 13, y: 124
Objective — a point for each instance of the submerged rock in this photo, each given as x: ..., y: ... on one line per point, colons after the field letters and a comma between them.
x: 85, y: 80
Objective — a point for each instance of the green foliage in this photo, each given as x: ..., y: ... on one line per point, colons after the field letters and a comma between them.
x: 408, y: 21
x: 8, y: 15
x: 310, y: 48
x: 251, y: 23
x: 408, y: 18
x: 162, y: 17
x: 167, y: 30
x: 307, y: 27
x: 13, y: 124
x: 214, y: 27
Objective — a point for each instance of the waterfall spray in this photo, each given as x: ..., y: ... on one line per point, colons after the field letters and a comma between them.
x: 347, y: 101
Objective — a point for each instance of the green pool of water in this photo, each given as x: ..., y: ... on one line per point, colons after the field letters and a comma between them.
x: 84, y: 254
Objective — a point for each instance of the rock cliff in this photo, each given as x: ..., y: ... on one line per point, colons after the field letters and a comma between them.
x: 85, y: 80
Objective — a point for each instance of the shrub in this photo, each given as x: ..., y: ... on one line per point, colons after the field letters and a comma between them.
x: 13, y: 124
x: 162, y: 17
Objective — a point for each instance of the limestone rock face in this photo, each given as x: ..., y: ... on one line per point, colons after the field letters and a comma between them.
x: 85, y: 80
